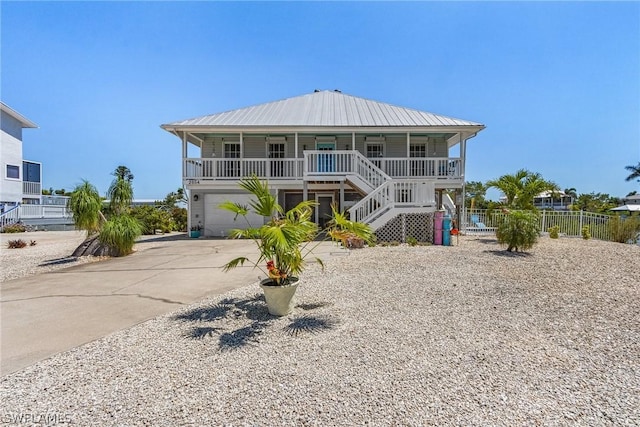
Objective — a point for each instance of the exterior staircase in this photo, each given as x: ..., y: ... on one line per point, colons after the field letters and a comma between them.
x: 10, y: 217
x: 385, y: 198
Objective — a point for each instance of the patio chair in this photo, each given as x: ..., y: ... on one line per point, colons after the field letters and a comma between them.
x: 476, y: 222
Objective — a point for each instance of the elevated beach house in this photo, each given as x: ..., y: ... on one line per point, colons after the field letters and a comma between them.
x: 391, y: 167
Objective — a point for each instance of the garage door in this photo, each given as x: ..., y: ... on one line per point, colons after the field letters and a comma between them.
x: 218, y: 222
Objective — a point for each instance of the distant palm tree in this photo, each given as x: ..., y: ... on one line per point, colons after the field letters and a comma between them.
x: 120, y: 191
x: 571, y: 192
x: 635, y: 172
x: 123, y: 172
x: 520, y: 188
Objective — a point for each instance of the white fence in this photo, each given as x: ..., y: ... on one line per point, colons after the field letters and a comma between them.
x: 570, y: 222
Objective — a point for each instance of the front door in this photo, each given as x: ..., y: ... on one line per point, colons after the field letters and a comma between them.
x: 323, y: 209
x: 325, y: 161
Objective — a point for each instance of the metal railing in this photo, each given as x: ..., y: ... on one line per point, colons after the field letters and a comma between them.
x: 478, y: 221
x: 32, y: 188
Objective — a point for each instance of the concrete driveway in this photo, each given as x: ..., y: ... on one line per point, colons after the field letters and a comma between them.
x: 49, y: 313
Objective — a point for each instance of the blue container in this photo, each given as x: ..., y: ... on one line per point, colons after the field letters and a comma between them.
x: 437, y: 228
x: 446, y: 231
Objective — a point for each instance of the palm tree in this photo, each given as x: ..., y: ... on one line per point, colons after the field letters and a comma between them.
x: 85, y: 205
x: 635, y: 172
x: 520, y: 188
x: 123, y: 172
x: 120, y: 191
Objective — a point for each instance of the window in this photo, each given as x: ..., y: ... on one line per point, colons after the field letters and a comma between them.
x: 13, y: 172
x: 31, y: 171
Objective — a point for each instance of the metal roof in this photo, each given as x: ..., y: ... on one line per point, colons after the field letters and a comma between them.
x: 25, y: 123
x: 324, y: 108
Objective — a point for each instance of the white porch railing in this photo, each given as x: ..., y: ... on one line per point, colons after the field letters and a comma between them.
x: 44, y: 211
x: 233, y: 169
x: 32, y: 188
x: 321, y: 163
x: 395, y: 194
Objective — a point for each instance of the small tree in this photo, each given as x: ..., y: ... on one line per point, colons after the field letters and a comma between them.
x: 518, y: 230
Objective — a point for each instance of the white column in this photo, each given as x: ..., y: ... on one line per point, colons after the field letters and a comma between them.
x: 409, y: 145
x: 184, y: 154
x: 295, y: 165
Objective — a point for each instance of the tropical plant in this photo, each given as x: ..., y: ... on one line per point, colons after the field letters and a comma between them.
x: 285, y: 240
x: 635, y: 172
x: 475, y: 193
x: 518, y: 229
x: 554, y: 232
x: 595, y: 202
x: 113, y: 236
x: 520, y: 188
x: 120, y: 233
x: 586, y: 232
x: 352, y: 234
x: 120, y: 192
x: 85, y: 205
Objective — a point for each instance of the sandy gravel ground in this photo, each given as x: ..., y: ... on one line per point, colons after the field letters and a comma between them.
x: 52, y: 251
x: 465, y: 335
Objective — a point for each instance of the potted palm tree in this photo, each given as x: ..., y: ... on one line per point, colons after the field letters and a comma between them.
x: 284, y: 241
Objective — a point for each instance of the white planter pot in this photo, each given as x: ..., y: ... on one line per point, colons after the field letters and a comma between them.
x: 279, y: 298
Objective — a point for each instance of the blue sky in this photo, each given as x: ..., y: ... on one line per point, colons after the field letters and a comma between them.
x: 556, y: 84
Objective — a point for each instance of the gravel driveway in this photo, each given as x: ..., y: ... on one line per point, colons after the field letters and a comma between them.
x: 464, y: 335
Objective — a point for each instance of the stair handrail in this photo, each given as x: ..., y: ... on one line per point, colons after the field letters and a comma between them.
x: 11, y: 216
x: 366, y: 170
x: 373, y: 203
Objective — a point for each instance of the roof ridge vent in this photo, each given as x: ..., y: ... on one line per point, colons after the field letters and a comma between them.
x: 316, y: 90
x: 337, y: 90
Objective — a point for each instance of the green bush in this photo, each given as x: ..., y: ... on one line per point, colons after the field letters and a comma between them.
x: 14, y: 228
x: 179, y: 216
x: 554, y: 232
x: 120, y: 233
x: 153, y: 219
x: 518, y: 230
x: 586, y: 233
x: 624, y: 230
x: 412, y: 241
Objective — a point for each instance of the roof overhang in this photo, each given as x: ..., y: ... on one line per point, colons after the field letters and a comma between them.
x: 24, y: 122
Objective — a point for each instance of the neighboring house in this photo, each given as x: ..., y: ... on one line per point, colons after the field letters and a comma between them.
x: 388, y: 166
x: 21, y: 197
x: 556, y: 200
x: 630, y: 204
x: 21, y: 179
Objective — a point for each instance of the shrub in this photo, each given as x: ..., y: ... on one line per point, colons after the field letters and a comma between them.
x: 16, y: 244
x: 624, y: 230
x: 518, y: 230
x: 554, y: 232
x: 412, y: 241
x: 120, y: 233
x: 14, y: 228
x: 152, y: 219
x: 179, y: 216
x: 586, y: 233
